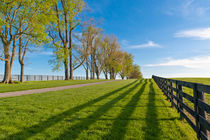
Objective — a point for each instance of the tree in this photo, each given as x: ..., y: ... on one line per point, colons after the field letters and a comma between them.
x: 21, y: 56
x: 37, y: 33
x: 89, y: 35
x: 61, y: 33
x: 99, y: 63
x: 12, y: 12
x: 127, y: 64
x: 83, y: 50
x: 113, y: 56
x: 105, y: 55
x: 76, y: 7
x: 9, y: 33
x: 135, y: 72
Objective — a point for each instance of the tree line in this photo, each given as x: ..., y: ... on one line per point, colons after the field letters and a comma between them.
x: 76, y: 42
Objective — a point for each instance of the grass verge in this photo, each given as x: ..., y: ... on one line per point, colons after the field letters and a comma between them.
x: 41, y: 84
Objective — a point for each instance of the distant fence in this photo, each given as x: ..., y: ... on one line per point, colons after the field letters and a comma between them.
x: 195, y: 116
x: 42, y: 77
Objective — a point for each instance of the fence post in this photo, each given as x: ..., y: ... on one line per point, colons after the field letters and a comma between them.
x: 172, y: 94
x: 180, y: 101
x: 198, y: 111
x: 177, y: 97
x: 26, y: 77
x: 162, y: 85
x: 168, y: 91
x: 165, y: 88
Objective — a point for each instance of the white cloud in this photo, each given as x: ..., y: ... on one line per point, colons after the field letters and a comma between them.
x: 39, y: 52
x: 188, y: 9
x: 124, y: 42
x: 199, y: 74
x: 149, y: 44
x: 202, y: 33
x: 199, y: 62
x: 198, y: 66
x: 46, y: 53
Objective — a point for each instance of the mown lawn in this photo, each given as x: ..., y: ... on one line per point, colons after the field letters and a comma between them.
x: 126, y: 109
x: 41, y: 84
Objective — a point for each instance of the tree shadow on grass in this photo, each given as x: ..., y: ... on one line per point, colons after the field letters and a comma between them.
x: 152, y: 130
x: 35, y: 129
x: 118, y: 129
x: 74, y: 131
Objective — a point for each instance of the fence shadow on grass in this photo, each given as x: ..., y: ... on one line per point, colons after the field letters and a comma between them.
x: 118, y: 129
x: 34, y: 129
x: 152, y: 130
x: 74, y: 131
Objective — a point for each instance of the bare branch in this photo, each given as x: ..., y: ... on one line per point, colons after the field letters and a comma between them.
x: 25, y: 48
x: 3, y: 59
x: 81, y: 62
x: 72, y: 28
x: 11, y: 22
x: 58, y: 20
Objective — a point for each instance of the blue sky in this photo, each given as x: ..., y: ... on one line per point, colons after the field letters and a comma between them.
x: 169, y: 38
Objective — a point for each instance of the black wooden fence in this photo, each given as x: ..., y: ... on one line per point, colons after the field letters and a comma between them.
x: 196, y: 116
x: 41, y: 77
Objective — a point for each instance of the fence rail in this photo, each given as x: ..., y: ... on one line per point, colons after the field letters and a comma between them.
x: 197, y: 118
x: 42, y: 77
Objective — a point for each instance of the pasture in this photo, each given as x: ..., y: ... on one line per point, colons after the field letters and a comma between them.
x: 129, y: 109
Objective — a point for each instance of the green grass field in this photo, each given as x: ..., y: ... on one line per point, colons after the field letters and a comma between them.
x: 190, y: 91
x: 196, y: 80
x: 126, y: 109
x: 41, y: 84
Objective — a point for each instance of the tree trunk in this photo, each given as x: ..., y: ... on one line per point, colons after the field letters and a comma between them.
x: 70, y: 54
x: 22, y: 73
x: 105, y: 74
x: 87, y: 73
x: 122, y: 77
x: 87, y: 70
x: 96, y: 69
x: 97, y: 73
x: 66, y: 70
x: 92, y: 67
x: 12, y: 59
x: 7, y: 70
x: 112, y: 73
x: 7, y: 73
